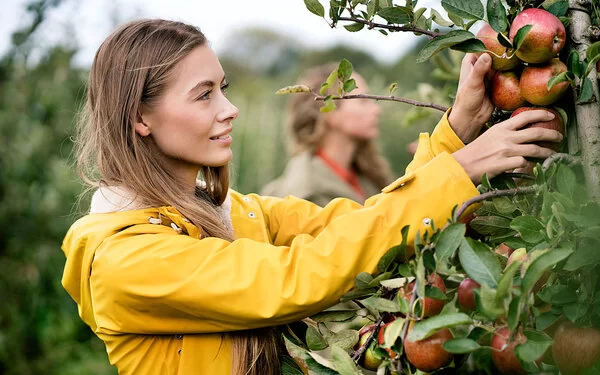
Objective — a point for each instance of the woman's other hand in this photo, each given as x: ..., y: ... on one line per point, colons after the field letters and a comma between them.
x: 472, y: 107
x: 507, y: 145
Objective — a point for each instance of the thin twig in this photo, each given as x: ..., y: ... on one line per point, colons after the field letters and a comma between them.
x: 494, y: 194
x: 560, y: 158
x: 389, y: 98
x: 363, y: 348
x: 371, y: 25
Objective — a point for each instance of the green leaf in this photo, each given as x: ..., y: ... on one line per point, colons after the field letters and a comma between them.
x: 439, y: 19
x: 530, y: 228
x: 575, y: 311
x: 320, y: 365
x: 461, y: 346
x: 354, y: 27
x: 559, y: 8
x: 520, y: 36
x: 587, y: 91
x: 496, y: 14
x: 586, y: 254
x: 562, y: 77
x: 565, y: 180
x: 536, y: 345
x: 471, y: 45
x: 328, y: 106
x: 514, y: 313
x: 395, y: 15
x: 442, y: 42
x: 314, y: 339
x: 334, y: 316
x: 574, y: 64
x: 349, y: 85
x: 592, y: 51
x: 504, y: 205
x: 344, y: 70
x: 294, y: 89
x: 479, y: 262
x: 425, y: 328
x: 449, y: 240
x: 372, y: 8
x: 395, y: 252
x: 467, y: 9
x: 542, y: 264
x: 395, y: 283
x: 491, y: 225
x: 363, y: 280
x: 345, y: 339
x: 506, y: 281
x: 392, y: 332
x: 315, y: 7
x: 290, y: 367
x: 381, y: 304
x: 546, y: 319
x: 342, y: 361
x: 435, y: 293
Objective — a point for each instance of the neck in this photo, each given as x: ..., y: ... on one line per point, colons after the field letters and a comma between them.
x: 186, y: 175
x: 340, y: 149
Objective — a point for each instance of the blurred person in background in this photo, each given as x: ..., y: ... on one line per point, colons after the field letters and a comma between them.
x: 334, y: 154
x: 180, y: 275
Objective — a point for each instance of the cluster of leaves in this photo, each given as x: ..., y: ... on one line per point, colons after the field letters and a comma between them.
x: 559, y: 279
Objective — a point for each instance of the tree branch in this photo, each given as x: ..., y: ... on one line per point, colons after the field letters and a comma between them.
x: 363, y: 348
x: 371, y: 25
x: 388, y: 98
x: 494, y: 194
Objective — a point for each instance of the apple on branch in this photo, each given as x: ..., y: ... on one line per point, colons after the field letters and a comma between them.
x: 544, y: 40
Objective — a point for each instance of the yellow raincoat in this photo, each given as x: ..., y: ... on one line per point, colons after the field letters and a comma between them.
x: 161, y: 298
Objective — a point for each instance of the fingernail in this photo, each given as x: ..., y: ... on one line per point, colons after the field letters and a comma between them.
x: 550, y: 115
x: 485, y: 58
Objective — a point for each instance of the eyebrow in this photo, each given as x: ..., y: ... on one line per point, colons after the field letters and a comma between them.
x: 207, y: 83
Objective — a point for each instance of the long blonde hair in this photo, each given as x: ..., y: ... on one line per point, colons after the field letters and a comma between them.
x: 307, y: 128
x: 130, y: 71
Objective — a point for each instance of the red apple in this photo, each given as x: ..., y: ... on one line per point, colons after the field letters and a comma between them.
x: 575, y: 348
x: 499, y: 53
x: 428, y: 354
x: 545, y: 38
x: 430, y: 306
x: 555, y: 124
x: 466, y: 297
x: 506, y: 92
x: 503, y: 354
x: 534, y: 83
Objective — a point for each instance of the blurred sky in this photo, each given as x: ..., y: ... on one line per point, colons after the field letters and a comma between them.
x: 88, y: 22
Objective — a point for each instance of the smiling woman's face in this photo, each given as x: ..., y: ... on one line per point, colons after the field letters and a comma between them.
x: 191, y: 122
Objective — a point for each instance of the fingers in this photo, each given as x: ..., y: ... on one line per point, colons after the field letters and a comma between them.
x: 530, y: 135
x: 466, y: 67
x: 474, y: 69
x: 532, y: 150
x: 525, y: 118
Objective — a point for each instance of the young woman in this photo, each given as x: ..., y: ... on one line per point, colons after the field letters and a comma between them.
x: 179, y: 276
x: 334, y: 153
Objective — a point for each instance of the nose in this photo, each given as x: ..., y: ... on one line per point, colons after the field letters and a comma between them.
x: 229, y: 112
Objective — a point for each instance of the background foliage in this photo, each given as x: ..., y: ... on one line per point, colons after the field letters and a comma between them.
x: 40, y: 332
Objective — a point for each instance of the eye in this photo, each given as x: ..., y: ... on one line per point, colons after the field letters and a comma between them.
x: 205, y: 95
x: 224, y: 87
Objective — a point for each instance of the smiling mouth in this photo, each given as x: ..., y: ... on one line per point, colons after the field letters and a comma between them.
x: 224, y: 136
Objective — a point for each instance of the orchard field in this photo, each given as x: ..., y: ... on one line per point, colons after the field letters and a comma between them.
x: 510, y: 284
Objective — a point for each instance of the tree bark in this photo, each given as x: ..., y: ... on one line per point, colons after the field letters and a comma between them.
x: 588, y: 114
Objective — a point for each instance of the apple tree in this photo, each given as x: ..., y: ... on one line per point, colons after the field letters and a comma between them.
x: 511, y: 283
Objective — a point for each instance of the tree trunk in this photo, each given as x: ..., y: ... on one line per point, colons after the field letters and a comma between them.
x: 587, y: 115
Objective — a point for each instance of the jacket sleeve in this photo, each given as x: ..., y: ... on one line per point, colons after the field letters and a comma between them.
x: 442, y: 139
x: 165, y: 283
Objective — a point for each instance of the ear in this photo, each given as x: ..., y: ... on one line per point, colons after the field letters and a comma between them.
x: 140, y: 126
